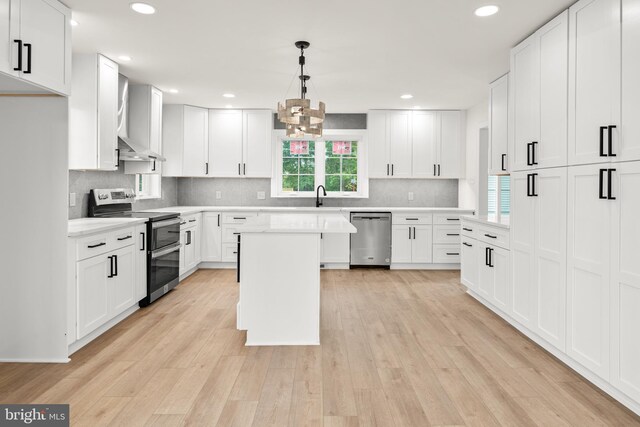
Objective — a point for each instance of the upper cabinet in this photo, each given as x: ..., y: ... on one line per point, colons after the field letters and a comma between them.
x: 628, y: 146
x: 538, y: 98
x: 185, y: 141
x: 145, y: 126
x: 240, y: 143
x: 93, y: 114
x: 498, y: 126
x: 35, y: 43
x: 416, y: 144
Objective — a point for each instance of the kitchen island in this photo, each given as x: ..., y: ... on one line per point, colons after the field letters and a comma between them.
x: 279, y: 273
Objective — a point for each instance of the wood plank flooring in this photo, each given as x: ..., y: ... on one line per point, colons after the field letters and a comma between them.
x: 399, y: 348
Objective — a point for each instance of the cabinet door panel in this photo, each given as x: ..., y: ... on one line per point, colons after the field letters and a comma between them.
x: 225, y: 143
x: 629, y: 145
x: 422, y: 244
x: 257, y: 143
x: 469, y: 263
x: 625, y: 281
x: 594, y: 76
x: 553, y: 44
x: 451, y: 153
x: 122, y: 287
x: 8, y: 49
x: 399, y: 123
x: 155, y: 132
x: 588, y: 270
x: 45, y: 25
x: 107, y: 113
x: 524, y: 90
x: 335, y: 248
x: 502, y: 278
x: 93, y: 284
x: 522, y: 248
x: 211, y: 237
x: 377, y: 144
x: 550, y: 255
x: 498, y: 125
x: 485, y: 274
x: 401, y: 238
x: 141, y: 262
x: 424, y: 140
x: 196, y: 130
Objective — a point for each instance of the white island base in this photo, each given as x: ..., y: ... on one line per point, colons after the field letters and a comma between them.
x: 280, y: 277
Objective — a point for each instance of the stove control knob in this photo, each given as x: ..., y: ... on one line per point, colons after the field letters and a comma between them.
x: 103, y: 196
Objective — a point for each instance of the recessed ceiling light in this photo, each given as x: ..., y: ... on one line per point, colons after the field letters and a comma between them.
x: 143, y: 8
x: 228, y: 95
x: 125, y: 58
x: 73, y: 22
x: 487, y: 10
x: 173, y: 90
x: 406, y: 96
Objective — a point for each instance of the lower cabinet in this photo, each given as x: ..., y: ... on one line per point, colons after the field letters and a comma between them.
x: 335, y: 248
x: 211, y: 237
x: 190, y: 251
x: 141, y: 261
x: 412, y: 244
x: 469, y: 263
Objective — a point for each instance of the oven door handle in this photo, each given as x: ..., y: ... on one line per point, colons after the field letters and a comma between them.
x: 165, y: 223
x: 163, y: 252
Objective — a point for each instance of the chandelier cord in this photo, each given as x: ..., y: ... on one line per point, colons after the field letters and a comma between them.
x: 303, y: 83
x: 295, y: 73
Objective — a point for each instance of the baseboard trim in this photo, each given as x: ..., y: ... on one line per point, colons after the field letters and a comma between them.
x: 594, y: 379
x: 36, y: 360
x: 77, y: 345
x: 400, y: 266
x: 217, y: 265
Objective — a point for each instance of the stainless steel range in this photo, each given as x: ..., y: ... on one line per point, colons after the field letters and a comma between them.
x: 162, y: 238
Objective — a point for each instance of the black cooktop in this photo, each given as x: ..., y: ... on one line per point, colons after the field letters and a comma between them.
x: 152, y: 216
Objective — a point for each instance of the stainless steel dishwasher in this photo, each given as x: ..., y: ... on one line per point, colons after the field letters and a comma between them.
x: 371, y: 245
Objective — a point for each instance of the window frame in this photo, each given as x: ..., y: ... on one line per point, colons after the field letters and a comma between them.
x: 153, y: 190
x: 499, y: 195
x: 358, y: 136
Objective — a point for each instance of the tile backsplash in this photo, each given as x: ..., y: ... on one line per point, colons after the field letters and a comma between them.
x: 80, y: 182
x: 382, y: 192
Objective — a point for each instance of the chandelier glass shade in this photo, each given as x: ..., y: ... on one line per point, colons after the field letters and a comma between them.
x: 298, y: 116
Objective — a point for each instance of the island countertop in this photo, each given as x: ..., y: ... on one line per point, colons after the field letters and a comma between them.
x: 300, y: 223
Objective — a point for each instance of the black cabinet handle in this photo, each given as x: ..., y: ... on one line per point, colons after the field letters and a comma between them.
x: 610, y: 184
x: 409, y: 233
x: 117, y: 157
x: 504, y: 158
x: 19, y: 67
x: 529, y: 185
x: 143, y: 241
x: 453, y: 234
x: 391, y: 169
x: 124, y: 238
x: 239, y: 217
x: 239, y: 169
x: 452, y: 253
x: 467, y: 229
x: 244, y: 168
x: 115, y: 257
x: 467, y: 244
x: 153, y: 166
x: 453, y: 219
x: 533, y: 185
x: 28, y: 46
x: 192, y: 220
x: 611, y: 128
x: 486, y: 256
x: 188, y: 237
x: 235, y: 234
x: 206, y: 168
x: 411, y: 219
x: 414, y: 233
x: 601, y: 194
x: 438, y: 169
x: 534, y: 156
x: 602, y: 129
x: 434, y: 170
x: 96, y: 246
x: 218, y: 220
x: 110, y: 267
x: 490, y: 236
x: 387, y: 169
x: 490, y: 257
x: 183, y: 223
x: 529, y: 154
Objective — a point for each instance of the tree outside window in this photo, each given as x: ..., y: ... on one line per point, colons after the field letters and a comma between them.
x: 341, y: 166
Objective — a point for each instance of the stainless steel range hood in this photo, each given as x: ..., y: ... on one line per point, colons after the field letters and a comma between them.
x: 129, y: 149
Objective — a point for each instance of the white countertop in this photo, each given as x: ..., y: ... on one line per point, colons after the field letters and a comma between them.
x: 85, y: 226
x: 187, y: 210
x: 502, y: 222
x: 300, y: 223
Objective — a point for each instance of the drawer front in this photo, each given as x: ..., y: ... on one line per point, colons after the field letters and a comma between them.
x: 190, y: 221
x: 230, y: 234
x: 468, y: 229
x: 122, y: 238
x: 446, y: 219
x: 91, y: 246
x: 446, y: 254
x: 237, y: 217
x: 229, y: 252
x: 411, y: 219
x: 494, y: 236
x: 446, y: 234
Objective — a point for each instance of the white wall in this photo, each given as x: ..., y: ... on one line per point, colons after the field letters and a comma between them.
x: 468, y: 192
x: 33, y: 190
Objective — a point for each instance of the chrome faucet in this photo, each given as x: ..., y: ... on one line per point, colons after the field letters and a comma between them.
x: 324, y: 191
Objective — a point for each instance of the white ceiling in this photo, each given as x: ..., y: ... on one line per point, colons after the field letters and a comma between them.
x: 364, y: 53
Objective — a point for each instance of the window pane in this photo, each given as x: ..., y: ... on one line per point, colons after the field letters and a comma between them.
x: 290, y: 166
x: 492, y: 197
x: 290, y: 183
x: 298, y: 168
x: 307, y: 166
x: 350, y: 166
x: 307, y: 182
x: 332, y: 182
x: 350, y: 183
x: 332, y: 165
x: 505, y: 195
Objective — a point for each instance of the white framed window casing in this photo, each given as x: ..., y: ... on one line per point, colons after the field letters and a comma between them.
x: 148, y: 186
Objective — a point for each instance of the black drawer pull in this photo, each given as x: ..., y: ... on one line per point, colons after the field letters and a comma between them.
x: 192, y: 220
x: 453, y: 253
x: 124, y: 238
x: 467, y: 229
x: 412, y: 219
x: 453, y: 234
x: 453, y: 219
x: 96, y: 246
x: 236, y: 234
x: 467, y: 244
x: 235, y: 253
x: 491, y: 237
x: 183, y: 223
x: 239, y: 217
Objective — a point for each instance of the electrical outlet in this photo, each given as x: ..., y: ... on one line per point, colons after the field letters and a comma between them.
x: 261, y: 195
x: 410, y: 196
x: 218, y: 195
x: 72, y: 199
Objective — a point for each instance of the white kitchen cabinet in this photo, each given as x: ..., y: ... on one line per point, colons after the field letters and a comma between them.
x: 122, y: 288
x: 498, y: 126
x: 35, y: 43
x: 594, y: 80
x: 93, y: 282
x: 424, y: 143
x: 400, y: 143
x: 141, y: 262
x: 240, y: 143
x: 588, y: 268
x: 335, y: 248
x: 211, y: 237
x: 493, y: 275
x: 401, y: 236
x: 469, y: 267
x: 412, y: 244
x: 185, y: 141
x: 93, y: 114
x: 377, y: 141
x: 450, y: 145
x: 538, y: 98
x: 145, y: 126
x: 190, y: 239
x: 628, y: 147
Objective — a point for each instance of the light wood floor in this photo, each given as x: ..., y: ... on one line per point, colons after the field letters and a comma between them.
x: 398, y: 349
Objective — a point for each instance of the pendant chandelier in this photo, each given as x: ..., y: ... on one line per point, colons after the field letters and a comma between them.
x: 298, y: 116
